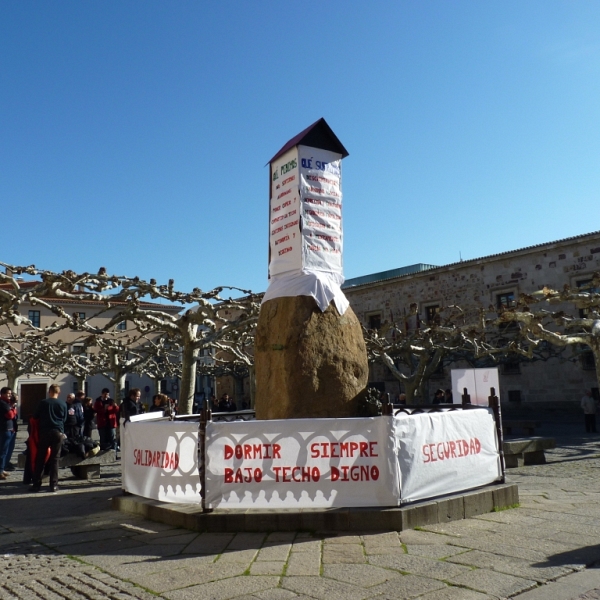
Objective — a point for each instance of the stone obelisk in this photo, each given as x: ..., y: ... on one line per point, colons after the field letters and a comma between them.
x: 310, y: 356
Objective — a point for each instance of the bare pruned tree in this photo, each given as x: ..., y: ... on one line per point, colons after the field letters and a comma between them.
x: 576, y: 324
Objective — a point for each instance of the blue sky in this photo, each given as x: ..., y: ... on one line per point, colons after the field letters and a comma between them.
x: 134, y: 135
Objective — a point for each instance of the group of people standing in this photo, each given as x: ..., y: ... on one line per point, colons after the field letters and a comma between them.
x: 73, y: 418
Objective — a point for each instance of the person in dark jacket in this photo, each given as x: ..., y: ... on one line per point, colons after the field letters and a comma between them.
x: 226, y: 404
x: 159, y: 403
x: 74, y: 424
x: 89, y: 414
x: 131, y: 405
x: 52, y: 414
x: 8, y: 420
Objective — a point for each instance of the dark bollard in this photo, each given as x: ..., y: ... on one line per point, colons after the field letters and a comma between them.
x: 466, y: 398
x: 494, y: 404
x: 205, y: 416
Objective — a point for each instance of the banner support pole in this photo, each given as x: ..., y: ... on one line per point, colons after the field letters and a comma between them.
x: 494, y: 404
x: 205, y: 416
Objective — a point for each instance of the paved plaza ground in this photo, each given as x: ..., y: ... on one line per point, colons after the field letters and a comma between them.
x: 72, y: 545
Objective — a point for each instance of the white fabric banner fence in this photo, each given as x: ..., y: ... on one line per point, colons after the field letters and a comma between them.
x: 301, y: 463
x: 313, y: 463
x: 159, y: 459
x: 446, y: 452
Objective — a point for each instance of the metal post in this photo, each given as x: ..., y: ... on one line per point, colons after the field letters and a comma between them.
x: 494, y: 403
x: 387, y: 408
x: 466, y: 398
x: 205, y: 417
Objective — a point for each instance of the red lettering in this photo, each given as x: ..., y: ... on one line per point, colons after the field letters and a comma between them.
x: 465, y: 446
x: 426, y: 453
x: 364, y: 447
x: 335, y: 473
x: 440, y: 454
x: 433, y: 458
x: 228, y: 475
x: 453, y: 449
x: 372, y: 449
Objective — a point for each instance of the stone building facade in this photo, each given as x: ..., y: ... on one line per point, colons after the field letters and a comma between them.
x: 32, y: 387
x: 488, y: 281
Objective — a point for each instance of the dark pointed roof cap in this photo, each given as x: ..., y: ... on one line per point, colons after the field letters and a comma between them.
x: 317, y: 135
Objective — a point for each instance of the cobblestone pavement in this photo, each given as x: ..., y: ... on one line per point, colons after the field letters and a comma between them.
x: 71, y: 545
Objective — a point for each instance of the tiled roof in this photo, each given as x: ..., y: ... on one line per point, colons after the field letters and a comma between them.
x: 389, y: 275
x: 317, y: 135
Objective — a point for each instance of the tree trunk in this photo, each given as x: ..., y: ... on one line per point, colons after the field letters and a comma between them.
x: 595, y: 348
x: 239, y: 390
x: 410, y: 387
x: 252, y: 375
x: 11, y: 378
x: 80, y: 383
x: 119, y: 385
x: 156, y: 381
x: 188, y: 378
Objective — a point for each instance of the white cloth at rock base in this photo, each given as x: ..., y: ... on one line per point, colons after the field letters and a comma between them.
x: 323, y: 287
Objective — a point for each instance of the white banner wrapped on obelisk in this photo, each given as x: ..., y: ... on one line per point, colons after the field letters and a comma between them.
x: 305, y: 219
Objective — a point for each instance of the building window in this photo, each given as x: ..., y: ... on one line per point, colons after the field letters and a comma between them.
x: 432, y: 314
x: 78, y: 350
x: 374, y: 320
x: 512, y: 367
x: 587, y: 361
x: 81, y: 316
x: 505, y: 300
x: 514, y: 396
x: 34, y: 317
x: 122, y: 326
x: 586, y: 286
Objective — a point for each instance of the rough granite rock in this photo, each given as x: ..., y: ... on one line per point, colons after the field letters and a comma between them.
x: 308, y: 363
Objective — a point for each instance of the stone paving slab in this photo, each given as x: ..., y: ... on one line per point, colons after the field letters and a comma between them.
x: 509, y: 565
x: 493, y: 583
x: 73, y: 546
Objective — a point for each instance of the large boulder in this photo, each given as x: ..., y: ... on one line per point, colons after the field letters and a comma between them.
x: 308, y: 363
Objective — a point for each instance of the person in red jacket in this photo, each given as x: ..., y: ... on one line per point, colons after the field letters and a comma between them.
x: 101, y: 421
x: 111, y: 410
